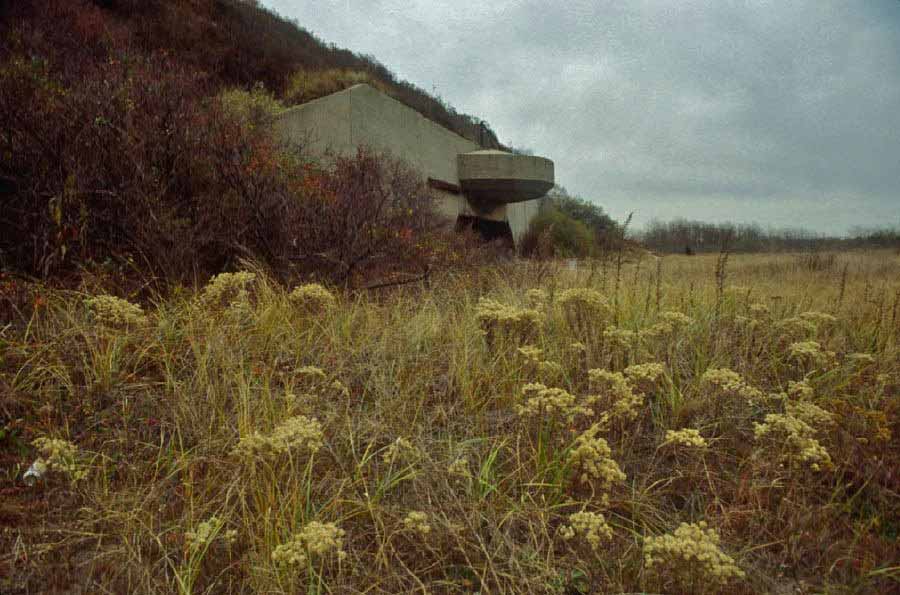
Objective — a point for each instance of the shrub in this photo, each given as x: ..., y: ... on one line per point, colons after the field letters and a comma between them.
x: 565, y: 237
x: 366, y: 216
x: 127, y: 162
x: 253, y: 108
x: 306, y: 85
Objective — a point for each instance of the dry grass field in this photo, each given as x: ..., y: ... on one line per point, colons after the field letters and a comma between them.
x: 684, y: 425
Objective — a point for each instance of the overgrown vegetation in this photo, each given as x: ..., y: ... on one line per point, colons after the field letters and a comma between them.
x: 570, y: 227
x: 553, y: 233
x: 695, y: 425
x: 135, y: 139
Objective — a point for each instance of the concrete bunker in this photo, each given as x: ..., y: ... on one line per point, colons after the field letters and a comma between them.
x: 496, y: 193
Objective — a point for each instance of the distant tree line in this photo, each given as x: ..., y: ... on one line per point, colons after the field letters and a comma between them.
x: 687, y: 236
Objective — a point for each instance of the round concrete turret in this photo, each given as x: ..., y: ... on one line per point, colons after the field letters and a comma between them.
x: 501, y: 177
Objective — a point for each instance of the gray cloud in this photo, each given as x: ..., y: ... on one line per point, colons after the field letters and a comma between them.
x: 783, y: 113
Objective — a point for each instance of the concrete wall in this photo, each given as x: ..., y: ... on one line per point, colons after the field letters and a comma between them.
x: 362, y: 115
x: 319, y: 126
x: 519, y: 215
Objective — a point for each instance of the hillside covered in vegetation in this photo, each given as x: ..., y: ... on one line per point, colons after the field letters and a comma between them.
x: 134, y: 137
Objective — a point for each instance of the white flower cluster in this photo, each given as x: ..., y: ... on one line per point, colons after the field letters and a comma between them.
x: 113, y: 311
x: 225, y: 288
x: 646, y: 373
x: 731, y: 383
x: 687, y: 438
x: 795, y: 440
x: 504, y: 321
x: 293, y: 434
x: 313, y: 541
x: 809, y: 351
x: 592, y: 457
x: 591, y: 525
x: 620, y: 337
x: 615, y: 390
x: 399, y: 449
x: 583, y: 308
x: 61, y: 456
x: 543, y: 402
x: 692, y: 548
x: 537, y: 364
x: 206, y: 533
x: 312, y: 297
x: 417, y: 522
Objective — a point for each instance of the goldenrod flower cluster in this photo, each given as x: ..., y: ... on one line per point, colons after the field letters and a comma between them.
x: 315, y: 379
x: 616, y: 390
x: 225, y: 288
x: 671, y: 321
x: 293, y: 434
x: 584, y: 303
x: 59, y: 455
x: 810, y: 351
x: 314, y: 540
x: 536, y: 298
x: 647, y: 373
x: 800, y: 390
x: 206, y: 532
x: 731, y: 383
x: 401, y: 447
x: 113, y: 311
x: 692, y: 548
x: 620, y: 337
x: 747, y: 322
x: 498, y: 319
x: 592, y: 456
x: 533, y: 357
x: 811, y: 413
x: 591, y: 525
x: 541, y: 401
x: 417, y: 522
x: 676, y: 319
x: 657, y: 330
x: 818, y: 318
x: 797, y: 327
x: 687, y: 437
x: 312, y: 297
x: 795, y: 438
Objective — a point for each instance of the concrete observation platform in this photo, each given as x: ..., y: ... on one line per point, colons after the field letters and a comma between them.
x: 485, y: 189
x: 498, y: 176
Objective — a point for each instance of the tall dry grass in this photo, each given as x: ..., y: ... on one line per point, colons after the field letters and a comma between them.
x: 489, y: 433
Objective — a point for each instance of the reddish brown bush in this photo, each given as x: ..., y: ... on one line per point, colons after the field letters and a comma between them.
x: 366, y: 217
x: 130, y: 162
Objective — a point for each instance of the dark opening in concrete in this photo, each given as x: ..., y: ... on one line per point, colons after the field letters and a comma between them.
x: 488, y: 230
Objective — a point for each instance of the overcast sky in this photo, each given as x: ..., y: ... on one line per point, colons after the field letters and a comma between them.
x: 784, y: 113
